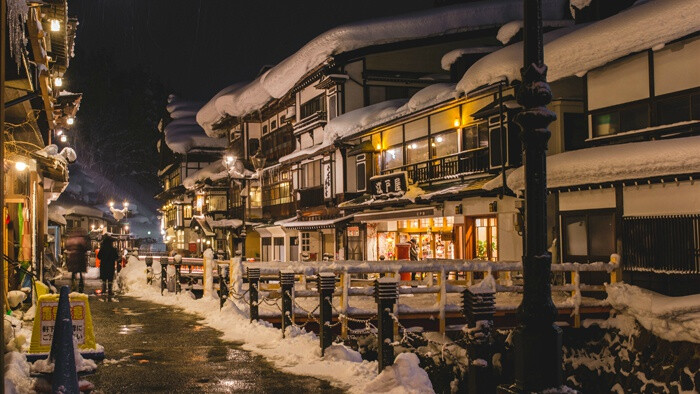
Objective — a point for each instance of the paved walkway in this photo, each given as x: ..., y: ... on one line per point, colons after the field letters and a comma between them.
x: 153, y: 348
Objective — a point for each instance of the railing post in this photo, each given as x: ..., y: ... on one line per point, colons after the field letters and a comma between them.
x: 344, y: 302
x: 386, y: 292
x: 576, y: 296
x: 326, y: 286
x: 287, y: 288
x: 177, y: 263
x: 224, y: 273
x: 479, y: 307
x: 442, y: 298
x: 149, y: 270
x: 253, y: 281
x: 163, y: 274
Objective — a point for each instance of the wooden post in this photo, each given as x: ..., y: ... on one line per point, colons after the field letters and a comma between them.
x: 253, y: 282
x: 442, y: 298
x: 576, y: 294
x: 287, y: 289
x: 385, y: 293
x: 344, y: 302
x: 326, y: 286
x: 163, y: 274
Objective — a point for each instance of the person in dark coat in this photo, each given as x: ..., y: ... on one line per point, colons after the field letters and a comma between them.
x: 77, y: 246
x: 108, y: 256
x: 413, y: 255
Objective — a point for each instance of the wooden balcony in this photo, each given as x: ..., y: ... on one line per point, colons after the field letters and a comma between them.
x: 462, y: 163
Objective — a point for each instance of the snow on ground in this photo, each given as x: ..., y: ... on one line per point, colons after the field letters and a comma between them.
x: 405, y: 376
x: 585, y: 48
x: 298, y: 353
x: 670, y: 318
x: 614, y: 163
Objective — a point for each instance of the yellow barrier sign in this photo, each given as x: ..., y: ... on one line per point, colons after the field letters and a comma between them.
x: 45, y: 319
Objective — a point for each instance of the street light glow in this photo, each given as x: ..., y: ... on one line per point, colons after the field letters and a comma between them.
x: 58, y: 81
x: 63, y: 138
x: 111, y: 204
x: 55, y: 25
x: 59, y: 132
x: 20, y: 166
x: 70, y: 120
x: 229, y: 159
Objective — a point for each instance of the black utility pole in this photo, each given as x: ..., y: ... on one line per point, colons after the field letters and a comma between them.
x: 538, y: 341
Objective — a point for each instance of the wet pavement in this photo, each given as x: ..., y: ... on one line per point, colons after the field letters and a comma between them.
x: 153, y: 348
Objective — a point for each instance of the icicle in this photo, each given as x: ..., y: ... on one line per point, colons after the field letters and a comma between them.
x: 17, y: 13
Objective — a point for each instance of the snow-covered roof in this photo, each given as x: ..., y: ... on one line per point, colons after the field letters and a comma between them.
x: 56, y: 213
x: 213, y: 171
x: 302, y: 153
x: 82, y: 210
x: 575, y: 51
x: 224, y: 223
x: 315, y: 224
x: 210, y: 112
x: 183, y: 134
x: 613, y: 163
x: 450, y: 57
x: 360, y: 119
x: 280, y: 79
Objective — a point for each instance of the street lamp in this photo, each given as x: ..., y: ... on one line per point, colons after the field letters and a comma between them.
x: 258, y: 161
x: 537, y: 340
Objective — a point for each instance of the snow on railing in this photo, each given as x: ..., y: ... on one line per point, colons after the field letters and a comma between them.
x: 439, y: 277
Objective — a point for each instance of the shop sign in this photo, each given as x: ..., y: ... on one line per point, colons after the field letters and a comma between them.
x: 327, y: 181
x: 390, y: 184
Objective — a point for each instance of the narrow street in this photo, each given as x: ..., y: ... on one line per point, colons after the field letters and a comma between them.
x: 153, y: 348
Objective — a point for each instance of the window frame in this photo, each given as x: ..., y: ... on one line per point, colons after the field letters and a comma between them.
x: 588, y: 258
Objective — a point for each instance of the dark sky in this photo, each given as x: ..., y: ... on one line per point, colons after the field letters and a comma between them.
x: 197, y: 47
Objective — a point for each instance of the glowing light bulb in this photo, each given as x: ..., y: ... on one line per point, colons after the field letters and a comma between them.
x: 20, y: 166
x: 70, y: 120
x: 63, y: 138
x: 438, y: 139
x: 58, y: 81
x: 229, y: 159
x: 59, y: 132
x: 456, y: 123
x: 111, y: 204
x: 414, y: 145
x: 126, y: 204
x: 55, y: 25
x: 379, y: 146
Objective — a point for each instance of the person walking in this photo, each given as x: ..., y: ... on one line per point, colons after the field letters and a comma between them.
x: 76, y: 259
x: 108, y: 256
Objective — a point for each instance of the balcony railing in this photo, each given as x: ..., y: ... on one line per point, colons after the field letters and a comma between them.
x: 462, y: 163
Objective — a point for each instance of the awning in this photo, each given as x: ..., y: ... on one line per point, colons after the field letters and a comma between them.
x: 204, y: 225
x: 412, y: 213
x: 468, y: 187
x: 271, y: 231
x: 316, y: 224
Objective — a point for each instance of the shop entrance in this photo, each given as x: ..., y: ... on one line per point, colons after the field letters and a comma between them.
x: 434, y: 237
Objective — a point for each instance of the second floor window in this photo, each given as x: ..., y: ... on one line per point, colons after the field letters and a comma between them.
x: 311, y: 174
x: 475, y: 136
x: 311, y: 107
x: 216, y: 202
x: 627, y: 118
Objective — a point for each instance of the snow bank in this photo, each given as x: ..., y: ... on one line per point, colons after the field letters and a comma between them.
x: 276, y: 82
x: 405, y: 376
x: 670, y: 318
x: 340, y: 352
x: 17, y: 378
x: 298, y: 353
x: 575, y: 50
x: 614, y: 163
x: 134, y: 271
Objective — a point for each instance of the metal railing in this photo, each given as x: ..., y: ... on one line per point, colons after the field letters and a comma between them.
x: 462, y: 163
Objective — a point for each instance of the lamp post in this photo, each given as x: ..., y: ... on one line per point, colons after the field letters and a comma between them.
x: 538, y: 341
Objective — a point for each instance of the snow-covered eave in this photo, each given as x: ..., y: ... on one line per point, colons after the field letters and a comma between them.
x: 615, y: 163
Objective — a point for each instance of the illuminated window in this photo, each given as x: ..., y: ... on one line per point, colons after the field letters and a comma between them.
x: 438, y: 222
x: 425, y: 223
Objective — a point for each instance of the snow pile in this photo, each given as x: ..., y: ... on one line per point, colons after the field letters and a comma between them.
x: 92, y: 273
x: 81, y: 364
x: 340, y: 352
x: 405, y: 376
x: 134, y: 270
x: 578, y: 5
x: 183, y: 133
x: 298, y: 353
x: 670, y: 318
x: 276, y: 82
x: 575, y: 50
x: 360, y: 119
x: 66, y: 155
x: 614, y: 163
x: 508, y: 31
x: 17, y: 378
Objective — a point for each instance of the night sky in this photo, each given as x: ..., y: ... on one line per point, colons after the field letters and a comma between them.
x: 197, y: 47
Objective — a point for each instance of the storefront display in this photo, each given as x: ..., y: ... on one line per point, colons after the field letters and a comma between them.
x: 433, y: 236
